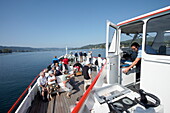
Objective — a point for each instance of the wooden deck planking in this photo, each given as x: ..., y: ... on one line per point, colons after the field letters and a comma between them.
x: 60, y: 104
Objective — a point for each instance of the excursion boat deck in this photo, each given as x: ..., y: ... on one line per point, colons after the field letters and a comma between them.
x: 112, y: 90
x: 60, y: 104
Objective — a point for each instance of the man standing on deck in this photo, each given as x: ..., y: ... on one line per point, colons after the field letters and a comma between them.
x: 89, y: 55
x: 87, y: 75
x: 65, y: 62
x: 100, y: 63
x: 84, y: 56
x: 137, y: 62
x: 81, y: 56
x: 76, y: 56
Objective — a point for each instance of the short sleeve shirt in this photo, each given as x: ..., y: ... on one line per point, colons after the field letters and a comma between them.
x: 50, y: 78
x: 139, y: 52
x: 41, y: 81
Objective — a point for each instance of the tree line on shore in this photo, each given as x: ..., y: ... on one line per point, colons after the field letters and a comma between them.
x: 5, y: 49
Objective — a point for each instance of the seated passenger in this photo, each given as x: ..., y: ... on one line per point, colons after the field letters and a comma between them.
x: 58, y: 70
x: 46, y: 72
x: 42, y: 83
x: 55, y: 60
x: 53, y: 70
x: 77, y: 66
x: 52, y: 85
x: 65, y: 79
x: 57, y: 66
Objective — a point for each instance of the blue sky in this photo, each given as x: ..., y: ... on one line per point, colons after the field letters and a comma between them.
x: 57, y: 23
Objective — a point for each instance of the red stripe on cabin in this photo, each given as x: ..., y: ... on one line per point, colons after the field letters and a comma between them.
x: 143, y: 17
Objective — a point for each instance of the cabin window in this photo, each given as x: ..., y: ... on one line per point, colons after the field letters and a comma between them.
x: 130, y: 33
x: 112, y: 39
x: 158, y: 35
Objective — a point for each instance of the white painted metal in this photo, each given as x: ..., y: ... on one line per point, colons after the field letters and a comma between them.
x: 112, y: 54
x: 147, y: 15
x: 26, y: 103
x: 155, y: 69
x: 129, y: 78
x: 155, y: 73
x: 66, y: 50
x: 103, y: 108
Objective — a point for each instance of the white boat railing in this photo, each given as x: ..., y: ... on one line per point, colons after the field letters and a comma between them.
x: 25, y: 94
x: 81, y: 106
x: 26, y: 103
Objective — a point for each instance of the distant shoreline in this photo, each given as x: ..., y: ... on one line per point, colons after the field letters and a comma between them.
x: 11, y: 49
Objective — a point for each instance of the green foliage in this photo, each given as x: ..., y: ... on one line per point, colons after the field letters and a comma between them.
x: 6, y: 50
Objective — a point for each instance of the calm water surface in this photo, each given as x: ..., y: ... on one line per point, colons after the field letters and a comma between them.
x: 17, y: 70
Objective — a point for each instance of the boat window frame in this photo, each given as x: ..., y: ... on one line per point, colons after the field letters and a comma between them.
x: 146, y: 32
x: 114, y: 38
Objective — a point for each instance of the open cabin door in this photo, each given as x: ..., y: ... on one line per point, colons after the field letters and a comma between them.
x: 112, y: 55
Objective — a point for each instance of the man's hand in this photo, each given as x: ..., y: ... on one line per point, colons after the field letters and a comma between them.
x: 125, y: 70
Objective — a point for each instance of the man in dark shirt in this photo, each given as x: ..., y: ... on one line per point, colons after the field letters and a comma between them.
x: 87, y: 75
x: 76, y: 56
x: 84, y: 56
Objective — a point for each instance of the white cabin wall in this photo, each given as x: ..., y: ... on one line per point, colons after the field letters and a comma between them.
x: 155, y: 74
x: 155, y: 79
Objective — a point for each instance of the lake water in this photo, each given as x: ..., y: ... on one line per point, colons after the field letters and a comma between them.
x: 17, y: 70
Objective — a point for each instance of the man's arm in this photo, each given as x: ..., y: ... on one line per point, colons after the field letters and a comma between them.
x: 133, y: 64
x: 53, y: 79
x: 90, y: 73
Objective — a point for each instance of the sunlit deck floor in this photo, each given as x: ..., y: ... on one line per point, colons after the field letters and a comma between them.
x: 60, y: 104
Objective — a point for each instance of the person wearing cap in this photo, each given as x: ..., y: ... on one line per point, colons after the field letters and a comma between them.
x: 42, y: 83
x: 65, y: 79
x: 86, y: 71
